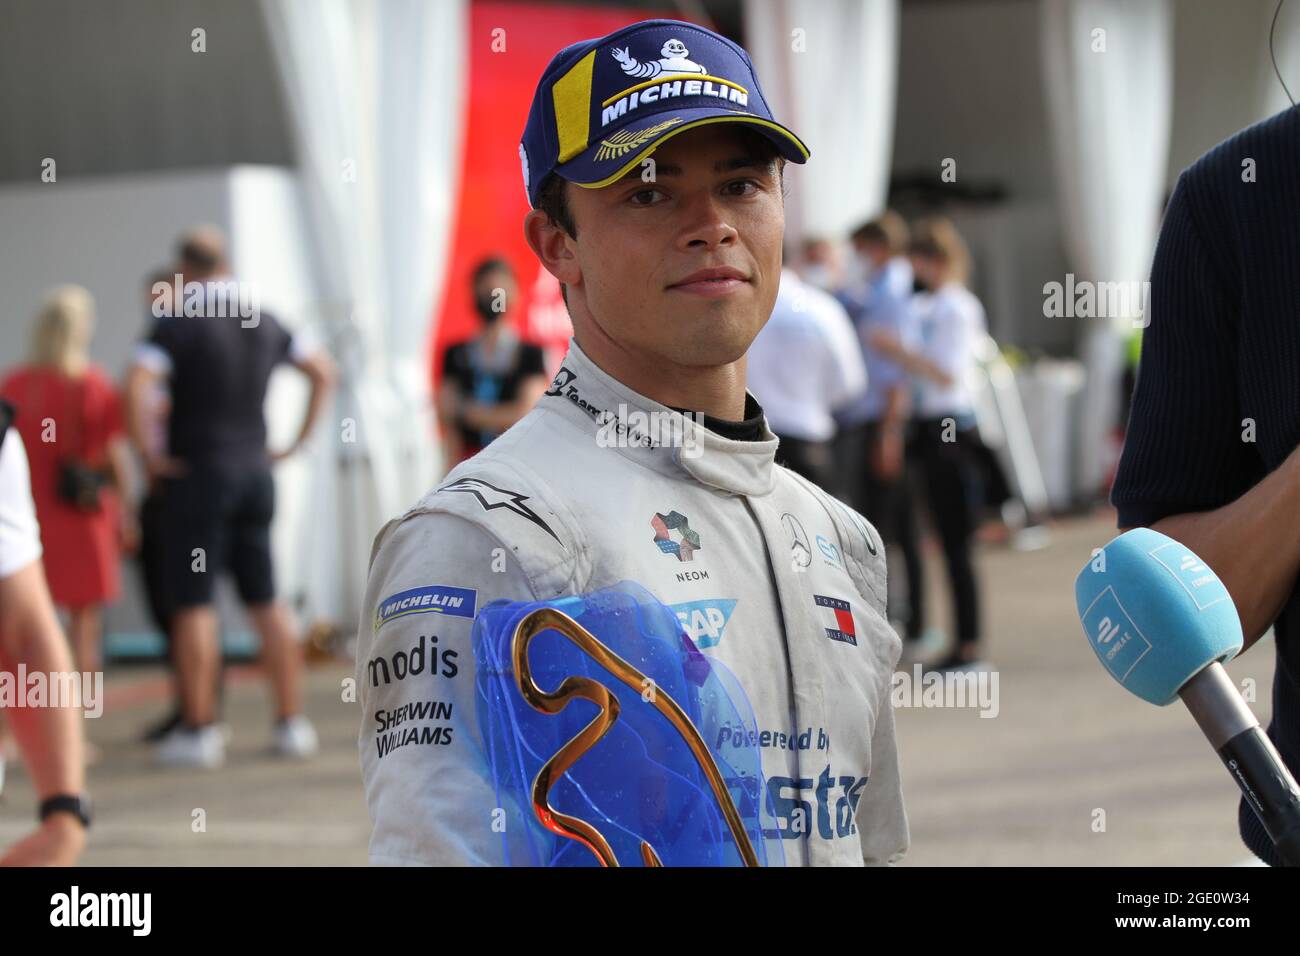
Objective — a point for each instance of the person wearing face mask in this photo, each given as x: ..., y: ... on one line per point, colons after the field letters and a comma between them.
x: 820, y: 264
x: 870, y: 443
x: 490, y: 381
x: 945, y: 442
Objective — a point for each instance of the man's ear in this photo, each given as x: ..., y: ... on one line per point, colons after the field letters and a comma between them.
x: 553, y: 247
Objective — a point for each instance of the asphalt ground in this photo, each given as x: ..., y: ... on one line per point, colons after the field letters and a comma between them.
x: 1072, y: 770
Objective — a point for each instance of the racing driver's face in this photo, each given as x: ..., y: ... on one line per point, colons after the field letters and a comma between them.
x: 679, y: 261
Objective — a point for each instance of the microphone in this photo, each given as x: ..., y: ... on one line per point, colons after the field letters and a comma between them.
x: 1162, y: 623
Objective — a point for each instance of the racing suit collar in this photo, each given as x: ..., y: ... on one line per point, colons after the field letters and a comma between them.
x: 654, y: 435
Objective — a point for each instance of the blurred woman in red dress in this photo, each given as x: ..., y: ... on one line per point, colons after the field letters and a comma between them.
x: 70, y: 420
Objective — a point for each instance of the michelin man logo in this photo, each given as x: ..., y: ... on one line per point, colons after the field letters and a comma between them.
x: 672, y: 60
x: 523, y: 160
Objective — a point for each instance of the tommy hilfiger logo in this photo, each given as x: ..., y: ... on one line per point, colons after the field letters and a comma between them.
x: 837, y: 619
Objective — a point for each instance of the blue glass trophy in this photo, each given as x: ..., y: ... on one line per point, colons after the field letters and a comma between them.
x: 600, y: 716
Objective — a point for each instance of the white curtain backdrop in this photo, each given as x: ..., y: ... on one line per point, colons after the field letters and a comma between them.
x: 829, y: 71
x: 374, y: 90
x: 1109, y: 116
x: 1286, y: 46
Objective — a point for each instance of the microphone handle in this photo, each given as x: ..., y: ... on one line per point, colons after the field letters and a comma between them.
x: 1249, y: 755
x: 1268, y: 787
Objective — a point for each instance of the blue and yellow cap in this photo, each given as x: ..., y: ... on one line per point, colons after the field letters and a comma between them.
x: 603, y: 105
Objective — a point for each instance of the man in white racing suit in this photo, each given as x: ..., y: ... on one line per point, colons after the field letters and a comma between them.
x: 607, y: 480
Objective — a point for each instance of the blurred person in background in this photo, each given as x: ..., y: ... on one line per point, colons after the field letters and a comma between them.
x: 821, y: 264
x: 218, y: 493
x: 945, y: 442
x: 50, y: 738
x: 70, y: 418
x: 803, y: 365
x: 492, y: 380
x: 870, y: 447
x: 152, y: 555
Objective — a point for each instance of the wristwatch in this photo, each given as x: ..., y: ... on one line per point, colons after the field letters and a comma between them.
x: 79, y: 807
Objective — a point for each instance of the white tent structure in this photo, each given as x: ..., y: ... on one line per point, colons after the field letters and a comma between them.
x: 373, y: 88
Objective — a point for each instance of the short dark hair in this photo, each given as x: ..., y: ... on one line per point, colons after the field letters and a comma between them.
x: 490, y: 264
x: 888, y: 230
x: 165, y: 276
x: 552, y: 198
x: 937, y: 239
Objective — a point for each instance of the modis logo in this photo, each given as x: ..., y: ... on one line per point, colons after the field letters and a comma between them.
x: 673, y: 60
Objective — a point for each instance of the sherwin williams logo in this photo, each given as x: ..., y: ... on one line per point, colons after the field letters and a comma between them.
x: 837, y: 619
x: 432, y: 599
x: 704, y: 620
x: 674, y: 536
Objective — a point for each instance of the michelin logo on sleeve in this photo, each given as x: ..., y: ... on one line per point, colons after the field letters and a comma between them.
x: 431, y: 599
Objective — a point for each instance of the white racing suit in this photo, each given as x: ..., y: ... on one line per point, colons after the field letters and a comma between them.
x: 774, y: 578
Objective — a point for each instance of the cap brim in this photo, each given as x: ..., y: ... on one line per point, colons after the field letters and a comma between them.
x: 613, y: 155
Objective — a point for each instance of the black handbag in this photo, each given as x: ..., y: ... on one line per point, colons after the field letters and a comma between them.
x: 78, y: 483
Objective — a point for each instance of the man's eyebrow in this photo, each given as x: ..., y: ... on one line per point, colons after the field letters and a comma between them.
x: 721, y: 166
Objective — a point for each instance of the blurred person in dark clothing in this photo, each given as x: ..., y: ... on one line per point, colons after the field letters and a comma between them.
x: 873, y: 430
x: 152, y: 554
x: 945, y: 442
x: 1212, y: 453
x: 217, y: 488
x: 492, y: 380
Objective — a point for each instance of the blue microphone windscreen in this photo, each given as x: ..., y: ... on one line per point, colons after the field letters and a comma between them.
x: 1154, y: 613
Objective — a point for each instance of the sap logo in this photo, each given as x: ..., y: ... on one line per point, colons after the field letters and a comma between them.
x: 1106, y: 631
x: 705, y: 620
